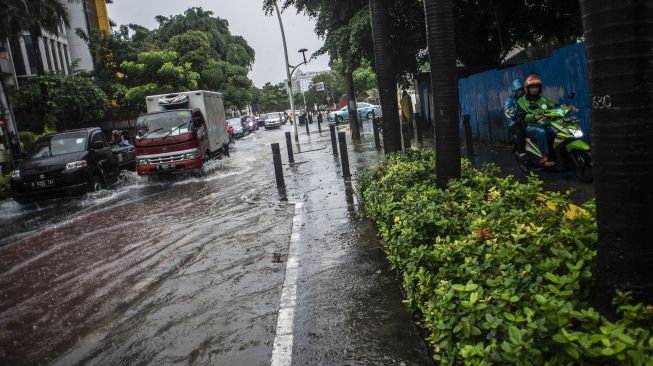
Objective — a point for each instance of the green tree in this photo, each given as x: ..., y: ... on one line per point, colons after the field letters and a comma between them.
x: 74, y: 101
x: 270, y: 98
x: 156, y: 72
x: 230, y: 48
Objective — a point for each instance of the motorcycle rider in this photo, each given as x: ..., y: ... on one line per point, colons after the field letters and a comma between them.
x: 533, y: 105
x: 515, y: 115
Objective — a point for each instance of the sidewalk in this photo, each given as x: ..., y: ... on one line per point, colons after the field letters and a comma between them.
x: 347, y: 306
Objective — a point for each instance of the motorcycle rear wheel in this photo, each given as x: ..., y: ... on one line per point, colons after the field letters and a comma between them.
x: 582, y: 166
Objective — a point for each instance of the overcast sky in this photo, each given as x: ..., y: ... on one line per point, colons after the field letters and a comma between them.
x: 246, y: 18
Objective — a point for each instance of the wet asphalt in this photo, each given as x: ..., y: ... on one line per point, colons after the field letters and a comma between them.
x: 190, y: 270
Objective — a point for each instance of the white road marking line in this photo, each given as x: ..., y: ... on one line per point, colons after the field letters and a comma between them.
x: 283, y: 340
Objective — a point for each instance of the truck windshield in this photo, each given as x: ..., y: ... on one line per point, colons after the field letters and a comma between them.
x: 60, y: 144
x: 157, y: 125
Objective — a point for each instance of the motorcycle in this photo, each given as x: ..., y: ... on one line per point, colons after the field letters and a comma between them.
x: 569, y: 151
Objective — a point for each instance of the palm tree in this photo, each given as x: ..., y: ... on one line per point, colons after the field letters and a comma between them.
x: 386, y: 76
x: 620, y: 61
x: 444, y: 82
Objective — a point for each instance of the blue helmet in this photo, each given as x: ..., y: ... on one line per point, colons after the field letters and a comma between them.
x: 517, y: 84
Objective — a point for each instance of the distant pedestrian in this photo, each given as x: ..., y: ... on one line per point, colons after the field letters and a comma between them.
x: 406, y: 108
x: 515, y: 115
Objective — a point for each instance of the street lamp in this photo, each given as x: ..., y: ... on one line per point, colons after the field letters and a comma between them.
x: 290, y: 70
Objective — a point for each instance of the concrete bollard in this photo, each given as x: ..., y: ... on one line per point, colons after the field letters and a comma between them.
x: 334, y: 144
x: 405, y: 133
x: 319, y: 122
x: 306, y: 123
x: 375, y: 130
x: 278, y: 168
x: 469, y: 142
x: 291, y: 156
x: 344, y: 157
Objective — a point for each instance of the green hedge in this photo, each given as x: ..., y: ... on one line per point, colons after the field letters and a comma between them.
x: 5, y: 189
x: 496, y: 273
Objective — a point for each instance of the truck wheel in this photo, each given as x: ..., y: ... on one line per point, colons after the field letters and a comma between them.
x: 370, y: 115
x: 95, y: 184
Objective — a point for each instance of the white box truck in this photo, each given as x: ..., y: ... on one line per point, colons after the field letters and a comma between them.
x: 180, y: 131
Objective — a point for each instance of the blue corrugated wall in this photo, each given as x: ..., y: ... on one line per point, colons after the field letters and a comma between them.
x: 482, y: 95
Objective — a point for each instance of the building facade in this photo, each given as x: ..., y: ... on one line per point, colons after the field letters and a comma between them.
x: 61, y: 52
x: 302, y: 81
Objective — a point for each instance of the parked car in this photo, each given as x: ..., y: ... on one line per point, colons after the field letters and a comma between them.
x: 68, y: 163
x: 260, y: 120
x: 365, y: 110
x: 273, y: 120
x: 237, y: 126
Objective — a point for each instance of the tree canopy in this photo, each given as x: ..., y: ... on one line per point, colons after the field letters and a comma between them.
x: 486, y: 31
x: 186, y: 51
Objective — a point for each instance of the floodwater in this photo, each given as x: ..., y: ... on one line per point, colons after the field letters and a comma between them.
x: 165, y: 271
x: 190, y: 270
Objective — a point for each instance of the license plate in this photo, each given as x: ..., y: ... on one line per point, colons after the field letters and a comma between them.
x: 167, y: 167
x: 43, y: 183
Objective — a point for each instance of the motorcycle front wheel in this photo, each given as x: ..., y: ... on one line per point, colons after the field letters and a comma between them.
x: 582, y: 166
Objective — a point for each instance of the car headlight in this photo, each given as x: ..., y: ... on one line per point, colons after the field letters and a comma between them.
x: 15, y: 174
x: 76, y: 164
x: 578, y: 134
x: 195, y: 154
x: 143, y: 162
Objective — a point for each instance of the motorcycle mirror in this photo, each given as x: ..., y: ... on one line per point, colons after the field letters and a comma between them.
x: 571, y: 95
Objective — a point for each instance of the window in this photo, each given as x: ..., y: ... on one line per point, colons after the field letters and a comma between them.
x: 31, y: 55
x: 63, y: 65
x: 17, y: 53
x: 65, y: 55
x: 46, y: 46
x: 54, y: 55
x: 98, y: 136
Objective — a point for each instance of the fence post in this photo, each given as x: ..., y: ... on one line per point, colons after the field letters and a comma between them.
x: 344, y: 157
x: 291, y: 157
x: 334, y: 144
x: 469, y: 142
x: 278, y: 169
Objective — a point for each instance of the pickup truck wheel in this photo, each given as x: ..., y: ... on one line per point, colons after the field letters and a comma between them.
x: 95, y: 184
x: 370, y: 115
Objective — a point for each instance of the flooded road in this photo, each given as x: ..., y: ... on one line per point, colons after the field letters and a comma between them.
x: 177, y: 271
x: 194, y: 270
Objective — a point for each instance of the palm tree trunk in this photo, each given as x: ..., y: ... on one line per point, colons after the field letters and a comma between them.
x: 444, y: 82
x: 619, y: 48
x: 386, y: 76
x: 353, y: 110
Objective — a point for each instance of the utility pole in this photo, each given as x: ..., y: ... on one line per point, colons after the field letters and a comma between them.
x: 288, y: 73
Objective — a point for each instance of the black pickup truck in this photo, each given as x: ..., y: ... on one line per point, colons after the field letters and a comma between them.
x: 69, y: 163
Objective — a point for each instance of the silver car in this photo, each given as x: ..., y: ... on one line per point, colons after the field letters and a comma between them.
x: 273, y: 120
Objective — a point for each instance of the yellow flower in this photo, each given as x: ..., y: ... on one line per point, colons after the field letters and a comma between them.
x: 397, y: 219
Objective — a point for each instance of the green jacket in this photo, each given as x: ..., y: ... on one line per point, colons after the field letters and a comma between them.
x: 533, y: 108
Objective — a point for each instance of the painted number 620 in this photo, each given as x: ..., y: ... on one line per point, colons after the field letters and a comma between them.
x: 602, y: 102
